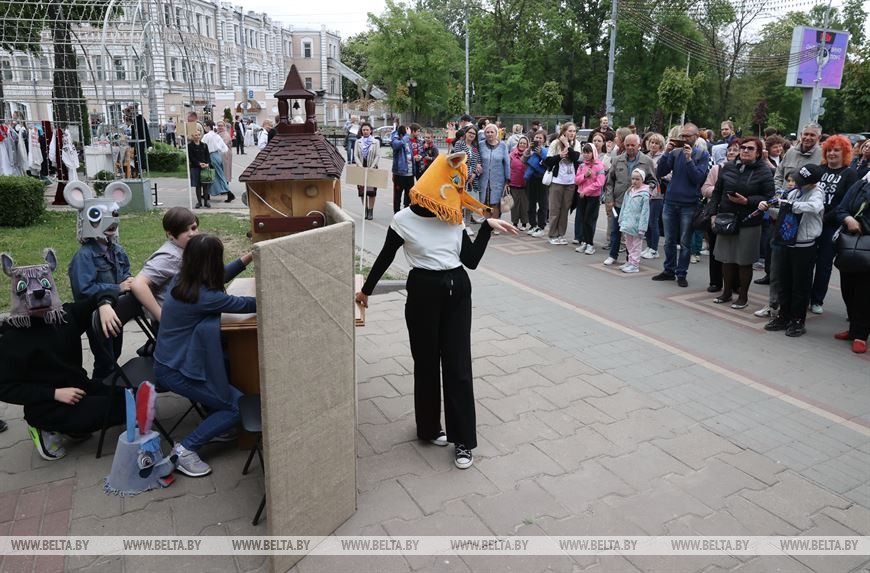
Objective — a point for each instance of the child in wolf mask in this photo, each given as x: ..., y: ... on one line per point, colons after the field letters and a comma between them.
x: 438, y: 310
x: 41, y: 354
x: 100, y: 264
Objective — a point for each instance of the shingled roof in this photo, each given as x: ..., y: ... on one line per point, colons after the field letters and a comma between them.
x: 292, y: 156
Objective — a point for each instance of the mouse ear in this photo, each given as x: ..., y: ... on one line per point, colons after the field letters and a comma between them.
x: 75, y: 194
x: 8, y: 264
x: 119, y: 192
x: 50, y: 258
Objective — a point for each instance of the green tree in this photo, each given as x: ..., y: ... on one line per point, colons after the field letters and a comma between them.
x: 675, y: 91
x: 354, y: 56
x: 406, y: 44
x: 548, y: 98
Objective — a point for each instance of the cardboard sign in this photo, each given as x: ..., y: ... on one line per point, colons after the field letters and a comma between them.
x: 367, y: 177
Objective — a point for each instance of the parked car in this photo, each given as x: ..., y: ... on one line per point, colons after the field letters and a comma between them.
x: 854, y: 137
x: 583, y: 135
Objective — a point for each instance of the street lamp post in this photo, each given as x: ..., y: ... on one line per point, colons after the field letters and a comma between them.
x: 412, y: 87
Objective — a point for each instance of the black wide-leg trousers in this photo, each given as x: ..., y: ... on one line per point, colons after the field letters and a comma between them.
x: 438, y: 315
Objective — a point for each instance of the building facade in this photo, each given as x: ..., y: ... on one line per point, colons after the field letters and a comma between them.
x: 170, y: 57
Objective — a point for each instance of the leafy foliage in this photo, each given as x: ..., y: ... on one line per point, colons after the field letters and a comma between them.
x: 21, y: 200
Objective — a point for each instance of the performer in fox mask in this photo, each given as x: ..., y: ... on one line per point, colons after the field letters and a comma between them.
x: 438, y: 310
x: 41, y: 354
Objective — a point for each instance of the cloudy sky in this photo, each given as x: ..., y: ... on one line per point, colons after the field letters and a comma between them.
x: 347, y: 17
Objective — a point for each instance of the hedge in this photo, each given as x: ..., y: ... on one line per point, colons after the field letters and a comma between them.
x: 21, y: 200
x: 165, y: 160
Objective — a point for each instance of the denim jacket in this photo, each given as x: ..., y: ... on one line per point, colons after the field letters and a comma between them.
x: 401, y: 154
x: 91, y: 272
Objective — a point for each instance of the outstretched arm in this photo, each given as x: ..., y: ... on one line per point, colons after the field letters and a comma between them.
x: 383, y: 262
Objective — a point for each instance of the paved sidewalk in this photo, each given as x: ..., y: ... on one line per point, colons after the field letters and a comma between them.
x: 607, y: 404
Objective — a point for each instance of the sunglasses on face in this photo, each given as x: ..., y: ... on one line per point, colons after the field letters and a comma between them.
x: 747, y: 148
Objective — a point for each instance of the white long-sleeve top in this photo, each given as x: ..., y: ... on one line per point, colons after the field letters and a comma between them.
x: 214, y: 142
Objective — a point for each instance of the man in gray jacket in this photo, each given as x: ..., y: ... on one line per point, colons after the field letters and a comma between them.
x: 808, y: 151
x: 618, y: 182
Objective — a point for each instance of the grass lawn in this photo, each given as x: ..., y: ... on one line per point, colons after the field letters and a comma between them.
x: 141, y: 234
x: 178, y: 173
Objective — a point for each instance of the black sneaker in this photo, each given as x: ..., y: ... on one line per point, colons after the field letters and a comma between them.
x: 765, y: 280
x: 664, y: 276
x: 463, y: 457
x: 776, y: 324
x: 795, y: 328
x: 714, y: 288
x: 440, y: 439
x: 230, y: 196
x: 3, y: 426
x: 681, y: 281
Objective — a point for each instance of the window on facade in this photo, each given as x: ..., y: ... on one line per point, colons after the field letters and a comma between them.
x: 211, y: 73
x: 167, y: 15
x: 184, y: 71
x: 332, y: 85
x: 45, y: 69
x: 225, y: 76
x: 23, y: 64
x: 120, y: 69
x: 306, y: 49
x: 308, y: 83
x: 173, y: 69
x: 236, y: 34
x: 178, y: 18
x: 99, y: 70
x: 7, y: 69
x: 208, y: 26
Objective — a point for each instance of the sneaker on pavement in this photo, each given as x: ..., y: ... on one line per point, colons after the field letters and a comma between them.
x: 189, y: 462
x: 49, y: 445
x: 776, y: 324
x: 3, y: 426
x: 695, y: 259
x: 539, y: 233
x: 590, y: 250
x: 816, y: 309
x: 758, y: 265
x: 627, y: 264
x: 682, y: 282
x: 580, y: 250
x: 795, y: 328
x: 664, y: 276
x: 859, y: 346
x: 763, y: 312
x: 575, y: 242
x: 630, y: 269
x: 462, y: 457
x: 441, y: 440
x: 705, y: 252
x: 609, y: 261
x: 844, y: 335
x: 554, y: 241
x: 765, y: 280
x: 532, y: 230
x: 563, y: 241
x: 650, y: 254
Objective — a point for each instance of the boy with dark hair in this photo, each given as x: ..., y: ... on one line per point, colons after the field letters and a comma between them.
x: 149, y: 286
x: 416, y: 142
x: 429, y: 151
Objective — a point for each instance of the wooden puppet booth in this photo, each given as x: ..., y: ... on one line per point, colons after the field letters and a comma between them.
x: 304, y: 284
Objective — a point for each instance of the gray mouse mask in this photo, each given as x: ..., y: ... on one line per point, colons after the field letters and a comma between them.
x: 98, y: 216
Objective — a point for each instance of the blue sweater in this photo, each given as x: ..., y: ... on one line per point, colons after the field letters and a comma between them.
x: 534, y: 167
x: 189, y: 337
x: 688, y: 176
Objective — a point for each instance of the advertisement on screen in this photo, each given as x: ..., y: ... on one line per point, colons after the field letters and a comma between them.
x: 811, y: 47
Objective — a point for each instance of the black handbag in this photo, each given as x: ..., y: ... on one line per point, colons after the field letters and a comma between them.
x: 853, y: 251
x: 726, y: 224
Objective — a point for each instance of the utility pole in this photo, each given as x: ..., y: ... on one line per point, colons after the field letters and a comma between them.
x: 611, y: 62
x: 688, y: 59
x: 816, y: 105
x: 467, y: 100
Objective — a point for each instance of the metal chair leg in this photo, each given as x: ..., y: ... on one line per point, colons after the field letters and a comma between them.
x: 248, y: 463
x: 259, y: 510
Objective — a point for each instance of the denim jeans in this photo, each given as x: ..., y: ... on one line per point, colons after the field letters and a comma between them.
x: 824, y: 265
x: 223, y: 410
x: 678, y: 228
x: 655, y: 214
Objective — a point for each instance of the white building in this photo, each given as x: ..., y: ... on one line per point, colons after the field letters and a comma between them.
x: 202, y: 53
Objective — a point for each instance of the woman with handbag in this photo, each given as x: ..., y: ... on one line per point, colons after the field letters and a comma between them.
x: 853, y: 260
x: 366, y: 152
x: 741, y: 186
x: 715, y: 265
x: 198, y: 161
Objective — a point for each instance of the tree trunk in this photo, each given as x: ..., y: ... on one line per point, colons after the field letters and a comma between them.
x: 66, y: 92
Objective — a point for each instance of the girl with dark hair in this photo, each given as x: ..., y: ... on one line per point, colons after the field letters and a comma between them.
x: 189, y: 359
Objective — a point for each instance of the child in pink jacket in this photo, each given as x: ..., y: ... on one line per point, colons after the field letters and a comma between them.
x: 520, y: 210
x: 590, y: 183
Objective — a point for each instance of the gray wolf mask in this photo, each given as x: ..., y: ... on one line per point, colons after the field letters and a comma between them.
x: 34, y: 292
x: 98, y: 216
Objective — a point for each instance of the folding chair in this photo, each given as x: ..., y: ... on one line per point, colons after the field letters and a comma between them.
x: 136, y: 370
x: 249, y: 409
